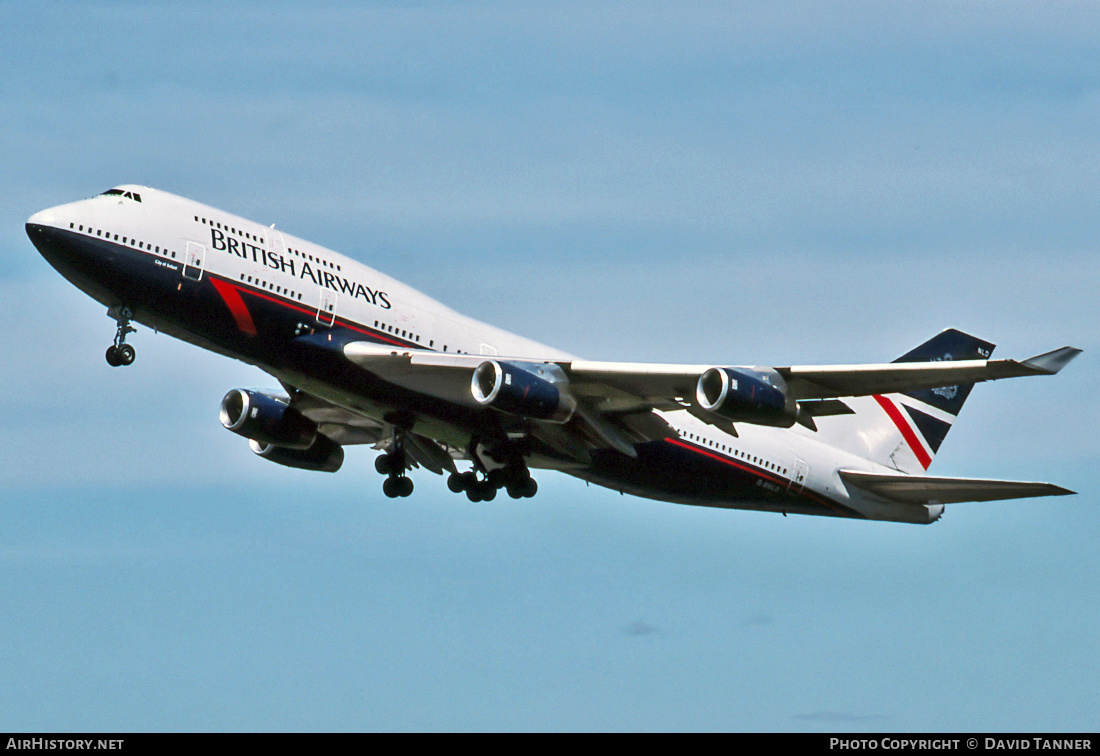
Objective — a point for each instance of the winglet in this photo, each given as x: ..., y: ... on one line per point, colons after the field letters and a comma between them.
x: 1051, y: 362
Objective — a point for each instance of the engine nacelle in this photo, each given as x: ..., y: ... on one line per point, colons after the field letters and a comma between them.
x: 265, y: 419
x: 758, y: 397
x: 325, y: 455
x: 541, y: 394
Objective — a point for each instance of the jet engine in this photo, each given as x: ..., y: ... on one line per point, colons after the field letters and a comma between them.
x: 268, y: 420
x: 325, y: 455
x: 756, y: 397
x: 540, y: 394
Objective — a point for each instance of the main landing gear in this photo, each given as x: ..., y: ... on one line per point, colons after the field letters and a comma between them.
x: 120, y: 353
x: 514, y: 478
x: 479, y: 484
x: 392, y: 465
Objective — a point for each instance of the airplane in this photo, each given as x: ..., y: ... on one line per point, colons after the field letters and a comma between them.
x: 365, y: 359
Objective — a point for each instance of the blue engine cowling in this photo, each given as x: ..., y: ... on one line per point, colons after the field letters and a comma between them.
x: 325, y: 455
x: 757, y: 397
x: 266, y: 419
x: 539, y: 392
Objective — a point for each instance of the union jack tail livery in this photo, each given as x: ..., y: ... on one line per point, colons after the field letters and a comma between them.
x: 904, y: 431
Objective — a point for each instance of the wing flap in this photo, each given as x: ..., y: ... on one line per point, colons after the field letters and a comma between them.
x: 921, y: 489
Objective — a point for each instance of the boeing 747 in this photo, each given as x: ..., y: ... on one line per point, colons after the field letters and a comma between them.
x: 362, y: 358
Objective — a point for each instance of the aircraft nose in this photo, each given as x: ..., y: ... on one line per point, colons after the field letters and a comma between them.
x: 43, y: 218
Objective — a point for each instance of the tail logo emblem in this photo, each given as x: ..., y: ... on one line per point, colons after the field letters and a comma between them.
x: 947, y: 392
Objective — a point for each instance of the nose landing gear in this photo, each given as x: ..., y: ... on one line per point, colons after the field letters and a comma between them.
x: 120, y: 353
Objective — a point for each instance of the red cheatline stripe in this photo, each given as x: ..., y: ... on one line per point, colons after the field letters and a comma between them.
x: 804, y: 493
x: 234, y: 290
x: 906, y: 431
x: 236, y: 305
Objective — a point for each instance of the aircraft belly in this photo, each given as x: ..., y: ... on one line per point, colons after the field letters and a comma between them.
x: 675, y: 471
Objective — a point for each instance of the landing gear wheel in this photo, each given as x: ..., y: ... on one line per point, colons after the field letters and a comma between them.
x: 126, y: 355
x: 113, y: 357
x: 497, y: 478
x: 525, y: 489
x: 392, y: 487
x: 391, y: 463
x: 397, y: 486
x: 456, y: 483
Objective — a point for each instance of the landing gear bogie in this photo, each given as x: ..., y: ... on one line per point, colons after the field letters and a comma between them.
x: 392, y: 464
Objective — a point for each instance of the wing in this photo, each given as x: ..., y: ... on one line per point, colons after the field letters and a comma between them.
x: 616, y: 402
x: 666, y: 382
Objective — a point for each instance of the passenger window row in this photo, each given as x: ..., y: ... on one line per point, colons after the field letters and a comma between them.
x: 737, y: 453
x: 230, y: 229
x: 403, y: 334
x: 255, y: 281
x: 313, y: 258
x: 143, y: 245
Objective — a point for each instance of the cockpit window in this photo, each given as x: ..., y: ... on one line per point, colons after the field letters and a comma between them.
x: 130, y: 195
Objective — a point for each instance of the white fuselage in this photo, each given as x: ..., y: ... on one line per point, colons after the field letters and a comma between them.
x: 201, y: 242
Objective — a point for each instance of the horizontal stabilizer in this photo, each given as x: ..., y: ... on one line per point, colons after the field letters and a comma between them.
x: 1051, y: 362
x: 921, y: 489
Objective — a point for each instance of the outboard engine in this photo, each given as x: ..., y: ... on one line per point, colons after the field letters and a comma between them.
x: 267, y: 420
x: 325, y: 455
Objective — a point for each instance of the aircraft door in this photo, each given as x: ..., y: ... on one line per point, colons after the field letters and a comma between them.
x: 326, y: 312
x: 193, y: 258
x: 275, y: 242
x: 798, y: 480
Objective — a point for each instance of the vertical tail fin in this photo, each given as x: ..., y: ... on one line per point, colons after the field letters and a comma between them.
x: 904, y: 431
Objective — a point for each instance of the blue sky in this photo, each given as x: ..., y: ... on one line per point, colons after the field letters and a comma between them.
x: 749, y: 183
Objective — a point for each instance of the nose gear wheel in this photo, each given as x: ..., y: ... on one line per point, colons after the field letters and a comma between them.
x: 120, y: 353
